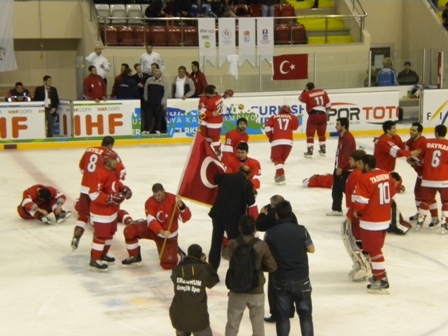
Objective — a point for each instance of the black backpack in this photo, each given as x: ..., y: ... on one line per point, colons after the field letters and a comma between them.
x: 242, y: 275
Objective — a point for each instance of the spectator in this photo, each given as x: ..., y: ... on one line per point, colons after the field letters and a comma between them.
x: 39, y: 201
x: 289, y: 244
x: 386, y: 76
x: 99, y: 62
x: 183, y: 86
x: 199, y: 80
x: 170, y: 8
x: 155, y: 95
x: 266, y: 220
x: 154, y: 10
x: 228, y: 10
x: 188, y: 310
x: 94, y: 88
x: 124, y: 66
x: 235, y: 194
x: 200, y: 8
x: 49, y: 95
x: 183, y: 7
x: 346, y: 146
x: 127, y: 88
x: 140, y: 78
x: 445, y: 16
x: 254, y: 300
x: 407, y: 76
x: 19, y: 93
x: 267, y: 7
x: 150, y: 57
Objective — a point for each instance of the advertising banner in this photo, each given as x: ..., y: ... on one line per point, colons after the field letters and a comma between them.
x: 226, y: 39
x: 22, y: 121
x: 265, y: 38
x: 246, y: 41
x: 365, y: 111
x: 207, y: 40
x: 106, y: 118
x: 63, y: 124
x: 434, y: 107
x: 7, y: 56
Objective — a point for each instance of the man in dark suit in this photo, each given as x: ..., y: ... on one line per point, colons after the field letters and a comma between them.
x: 49, y: 95
x: 235, y: 195
x: 140, y: 78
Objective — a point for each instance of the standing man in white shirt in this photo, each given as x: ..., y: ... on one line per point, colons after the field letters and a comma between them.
x: 100, y: 62
x: 183, y: 86
x: 150, y: 57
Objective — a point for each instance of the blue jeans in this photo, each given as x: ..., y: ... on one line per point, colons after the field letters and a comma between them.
x: 267, y: 10
x: 286, y: 292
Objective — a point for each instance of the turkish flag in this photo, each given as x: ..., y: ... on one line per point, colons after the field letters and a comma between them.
x: 287, y: 67
x: 202, y: 165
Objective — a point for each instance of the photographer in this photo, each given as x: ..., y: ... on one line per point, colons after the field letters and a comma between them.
x: 188, y: 311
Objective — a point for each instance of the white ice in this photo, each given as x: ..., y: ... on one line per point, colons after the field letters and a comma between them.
x: 46, y: 289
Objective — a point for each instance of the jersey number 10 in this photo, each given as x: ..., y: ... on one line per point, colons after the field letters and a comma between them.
x: 384, y: 190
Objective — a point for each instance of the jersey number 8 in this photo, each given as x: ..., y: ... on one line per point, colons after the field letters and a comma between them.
x: 91, y: 166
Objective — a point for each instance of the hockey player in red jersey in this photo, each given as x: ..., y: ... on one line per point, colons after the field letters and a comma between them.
x: 39, y: 201
x: 317, y: 106
x: 389, y: 146
x: 234, y: 164
x: 210, y: 109
x: 163, y: 211
x: 89, y: 165
x: 233, y: 138
x: 435, y: 176
x: 279, y: 130
x: 350, y: 231
x: 418, y: 141
x: 372, y: 202
x: 106, y: 197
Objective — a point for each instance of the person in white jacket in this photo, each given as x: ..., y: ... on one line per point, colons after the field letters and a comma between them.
x: 150, y: 57
x: 100, y: 62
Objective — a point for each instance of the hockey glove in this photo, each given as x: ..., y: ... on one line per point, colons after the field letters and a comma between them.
x: 127, y: 192
x: 116, y: 198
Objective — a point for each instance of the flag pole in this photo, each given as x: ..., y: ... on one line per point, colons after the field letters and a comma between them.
x: 162, y: 250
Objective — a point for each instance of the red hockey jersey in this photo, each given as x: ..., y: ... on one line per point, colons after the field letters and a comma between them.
x: 315, y: 100
x: 94, y: 87
x: 350, y: 186
x: 234, y: 164
x: 88, y: 165
x: 31, y: 201
x: 387, y: 150
x: 158, y: 215
x: 372, y: 199
x: 435, y: 163
x: 279, y: 129
x: 233, y: 138
x: 208, y: 105
x: 411, y: 145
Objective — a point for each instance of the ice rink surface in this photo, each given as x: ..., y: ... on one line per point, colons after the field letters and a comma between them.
x: 46, y: 289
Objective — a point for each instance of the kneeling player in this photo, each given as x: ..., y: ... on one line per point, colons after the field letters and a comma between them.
x: 163, y: 210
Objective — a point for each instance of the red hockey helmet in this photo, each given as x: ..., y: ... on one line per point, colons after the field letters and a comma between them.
x: 228, y: 93
x: 285, y: 109
x: 109, y: 155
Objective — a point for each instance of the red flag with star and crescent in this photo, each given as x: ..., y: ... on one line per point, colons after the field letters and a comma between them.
x: 287, y: 67
x: 197, y: 181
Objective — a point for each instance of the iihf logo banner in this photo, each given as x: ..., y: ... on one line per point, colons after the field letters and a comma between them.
x: 246, y: 40
x: 7, y: 57
x: 265, y: 38
x: 226, y: 39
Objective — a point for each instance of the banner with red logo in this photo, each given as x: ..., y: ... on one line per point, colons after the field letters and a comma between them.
x: 22, y: 121
x: 246, y: 41
x: 287, y: 67
x: 202, y: 165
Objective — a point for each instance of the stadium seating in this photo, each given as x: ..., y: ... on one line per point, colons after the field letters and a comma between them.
x: 299, y: 34
x: 287, y: 10
x: 104, y: 12
x: 255, y: 10
x: 174, y: 36
x: 142, y: 35
x: 118, y: 11
x: 282, y: 34
x: 242, y: 10
x: 191, y: 36
x: 133, y: 11
x: 126, y: 36
x: 330, y: 39
x: 109, y: 34
x: 158, y: 35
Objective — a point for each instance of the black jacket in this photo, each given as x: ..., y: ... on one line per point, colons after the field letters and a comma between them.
x: 188, y: 311
x: 39, y: 95
x: 127, y: 89
x: 235, y: 194
x: 139, y: 80
x: 407, y: 78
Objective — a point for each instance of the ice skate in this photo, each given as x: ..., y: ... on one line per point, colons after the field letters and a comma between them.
x: 444, y: 229
x: 358, y: 275
x: 63, y: 216
x: 379, y: 287
x: 413, y: 218
x: 107, y: 259
x: 308, y: 154
x: 75, y: 240
x: 435, y: 223
x: 46, y: 220
x: 98, y: 265
x: 322, y: 150
x: 334, y: 213
x: 135, y: 261
x: 420, y: 221
x: 280, y: 179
